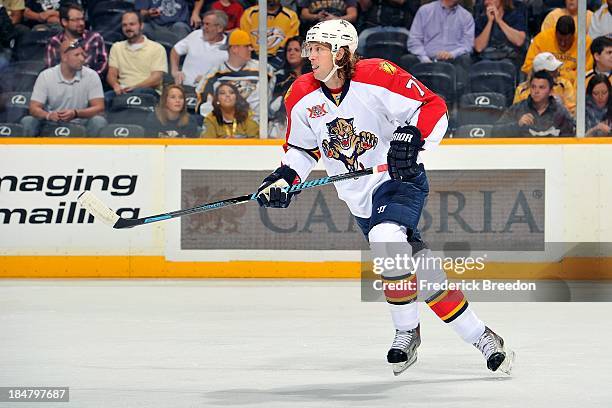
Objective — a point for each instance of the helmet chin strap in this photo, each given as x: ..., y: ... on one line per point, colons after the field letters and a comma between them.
x: 333, y: 70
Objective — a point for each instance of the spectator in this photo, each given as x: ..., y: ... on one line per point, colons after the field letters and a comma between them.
x: 387, y: 16
x: 14, y: 9
x: 240, y: 70
x: 599, y: 106
x: 283, y: 23
x: 501, y: 30
x: 601, y: 50
x: 313, y: 11
x: 563, y: 44
x: 233, y: 9
x: 230, y: 117
x: 171, y: 118
x: 539, y: 115
x: 42, y: 14
x: 68, y: 92
x: 204, y: 49
x: 7, y: 38
x: 137, y: 64
x: 294, y: 66
x: 601, y: 23
x: 571, y: 9
x: 562, y: 88
x: 443, y: 31
x: 165, y: 17
x: 72, y: 19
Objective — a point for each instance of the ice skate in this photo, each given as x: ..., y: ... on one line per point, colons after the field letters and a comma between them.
x: 497, y: 355
x: 403, y: 352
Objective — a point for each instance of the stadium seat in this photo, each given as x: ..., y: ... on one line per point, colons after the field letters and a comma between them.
x: 33, y: 44
x: 474, y: 131
x: 16, y: 106
x: 387, y: 45
x: 440, y: 77
x: 191, y: 100
x: 34, y: 67
x: 122, y: 130
x: 11, y: 130
x: 483, y: 108
x: 131, y: 109
x: 493, y: 76
x: 18, y: 82
x: 63, y: 130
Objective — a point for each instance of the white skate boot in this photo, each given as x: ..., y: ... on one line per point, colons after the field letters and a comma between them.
x: 403, y: 352
x: 497, y: 355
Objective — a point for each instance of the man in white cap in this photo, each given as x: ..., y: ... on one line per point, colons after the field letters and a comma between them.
x: 353, y: 114
x: 562, y: 88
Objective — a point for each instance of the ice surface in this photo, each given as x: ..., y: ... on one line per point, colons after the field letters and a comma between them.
x: 258, y: 343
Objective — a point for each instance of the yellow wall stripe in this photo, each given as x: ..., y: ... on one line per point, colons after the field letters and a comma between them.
x: 159, y: 267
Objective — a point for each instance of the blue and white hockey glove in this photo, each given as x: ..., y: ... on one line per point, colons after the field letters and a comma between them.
x: 271, y: 192
x: 405, y: 146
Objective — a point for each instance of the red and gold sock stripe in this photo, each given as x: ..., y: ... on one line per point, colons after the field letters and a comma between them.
x: 448, y: 304
x: 405, y: 290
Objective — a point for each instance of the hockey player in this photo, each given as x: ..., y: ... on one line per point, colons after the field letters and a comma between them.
x: 355, y: 114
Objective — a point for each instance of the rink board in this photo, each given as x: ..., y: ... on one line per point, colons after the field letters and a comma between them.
x: 505, y: 193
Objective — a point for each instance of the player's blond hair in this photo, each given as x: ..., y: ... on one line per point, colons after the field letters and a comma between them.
x: 347, y: 64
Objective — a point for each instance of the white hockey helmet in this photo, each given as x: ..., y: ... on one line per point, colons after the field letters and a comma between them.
x: 337, y: 33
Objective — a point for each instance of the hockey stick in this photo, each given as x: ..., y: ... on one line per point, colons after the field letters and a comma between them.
x: 101, y: 211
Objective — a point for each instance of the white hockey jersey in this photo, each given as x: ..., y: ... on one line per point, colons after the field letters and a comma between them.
x: 356, y: 133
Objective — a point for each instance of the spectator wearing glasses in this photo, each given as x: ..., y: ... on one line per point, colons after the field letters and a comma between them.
x: 171, y: 118
x: 203, y: 49
x: 68, y: 92
x: 72, y: 19
x: 136, y: 65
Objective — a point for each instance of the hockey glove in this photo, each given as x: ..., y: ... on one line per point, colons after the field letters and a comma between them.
x: 402, y: 156
x: 271, y: 192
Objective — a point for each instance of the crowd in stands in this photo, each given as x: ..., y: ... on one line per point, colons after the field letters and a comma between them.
x: 190, y: 68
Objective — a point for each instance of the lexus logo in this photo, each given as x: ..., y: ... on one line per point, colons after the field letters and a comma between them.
x: 5, y: 131
x: 134, y: 100
x: 477, y: 132
x: 19, y: 100
x: 121, y: 132
x: 482, y: 100
x: 62, y: 131
x: 191, y: 101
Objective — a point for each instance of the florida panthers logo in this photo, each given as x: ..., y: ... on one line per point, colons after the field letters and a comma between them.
x: 345, y: 144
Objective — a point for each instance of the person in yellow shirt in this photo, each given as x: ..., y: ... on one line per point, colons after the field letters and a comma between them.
x: 571, y: 9
x: 231, y: 117
x: 563, y: 44
x: 283, y: 23
x: 562, y: 88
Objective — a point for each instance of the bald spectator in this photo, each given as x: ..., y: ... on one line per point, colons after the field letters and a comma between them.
x: 69, y: 92
x: 72, y: 18
x: 136, y: 65
x: 562, y: 88
x: 204, y: 50
x: 571, y: 9
x: 601, y: 23
x: 563, y: 44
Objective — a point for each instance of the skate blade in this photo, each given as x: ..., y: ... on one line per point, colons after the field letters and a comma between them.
x: 399, y: 368
x: 506, y: 365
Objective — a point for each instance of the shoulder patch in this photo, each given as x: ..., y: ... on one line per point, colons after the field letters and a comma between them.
x: 387, y: 68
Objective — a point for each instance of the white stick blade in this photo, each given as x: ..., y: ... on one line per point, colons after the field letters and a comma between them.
x: 97, y: 208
